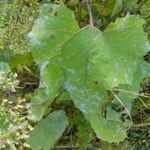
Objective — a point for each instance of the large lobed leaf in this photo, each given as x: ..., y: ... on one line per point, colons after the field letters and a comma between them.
x: 89, y: 63
x: 100, y: 62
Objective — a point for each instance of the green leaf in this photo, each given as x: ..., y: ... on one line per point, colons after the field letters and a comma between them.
x: 108, y: 7
x: 48, y: 131
x: 142, y: 71
x: 4, y: 120
x: 21, y: 59
x: 124, y: 6
x: 55, y: 25
x: 51, y: 76
x: 117, y: 7
x: 37, y: 112
x: 5, y: 55
x: 130, y: 5
x: 51, y: 82
x: 84, y: 80
x: 100, y: 62
x: 113, y: 115
x: 128, y: 44
x: 15, y: 59
x: 38, y: 103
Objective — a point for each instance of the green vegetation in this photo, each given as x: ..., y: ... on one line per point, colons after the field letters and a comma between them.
x: 74, y: 74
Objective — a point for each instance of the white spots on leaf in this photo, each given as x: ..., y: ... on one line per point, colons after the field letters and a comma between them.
x: 83, y: 108
x: 126, y: 77
x: 33, y: 38
x: 147, y: 45
x: 43, y: 66
x: 70, y: 87
x: 40, y: 23
x: 144, y: 72
x: 46, y: 18
x: 71, y: 71
x: 42, y: 71
x: 121, y: 29
x: 72, y: 15
x: 115, y: 80
x: 96, y: 97
x: 117, y: 66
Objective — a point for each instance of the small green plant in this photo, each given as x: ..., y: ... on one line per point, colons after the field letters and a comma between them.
x: 14, y: 125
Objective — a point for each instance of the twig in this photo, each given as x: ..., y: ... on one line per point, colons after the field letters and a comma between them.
x: 123, y: 105
x: 139, y: 140
x: 27, y: 69
x: 68, y: 147
x: 79, y: 13
x: 141, y: 125
x: 31, y: 83
x: 131, y: 93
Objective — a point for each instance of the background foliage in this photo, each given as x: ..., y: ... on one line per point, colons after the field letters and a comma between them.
x: 31, y: 82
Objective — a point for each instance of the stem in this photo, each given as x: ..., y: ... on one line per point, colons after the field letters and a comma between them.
x: 90, y: 13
